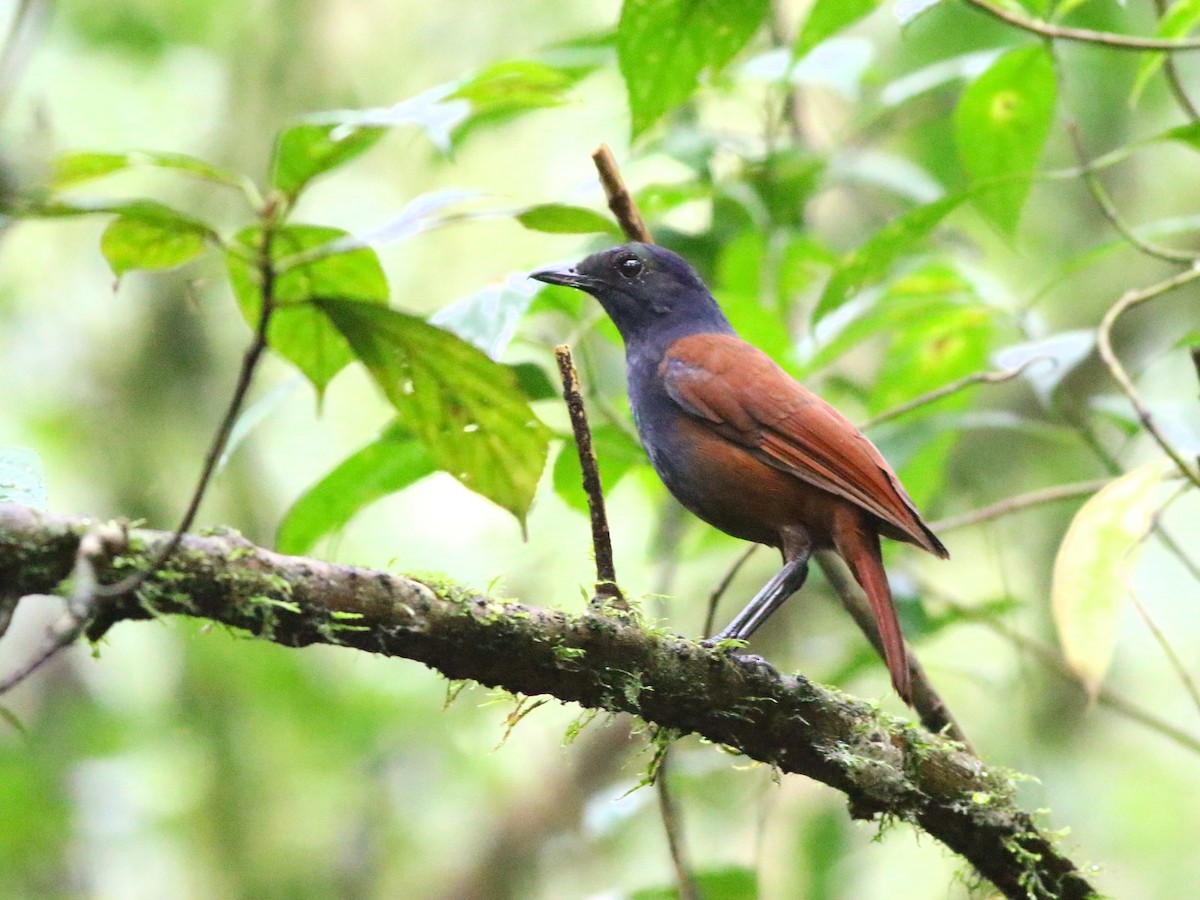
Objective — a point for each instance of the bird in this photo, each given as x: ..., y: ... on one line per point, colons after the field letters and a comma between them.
x: 746, y: 447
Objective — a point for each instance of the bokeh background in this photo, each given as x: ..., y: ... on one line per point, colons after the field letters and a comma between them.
x: 182, y: 760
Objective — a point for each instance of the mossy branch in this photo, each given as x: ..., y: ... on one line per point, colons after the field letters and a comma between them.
x: 884, y: 766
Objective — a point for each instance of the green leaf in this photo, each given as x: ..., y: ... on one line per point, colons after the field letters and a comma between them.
x: 133, y: 242
x: 616, y: 453
x: 389, y: 464
x: 299, y: 331
x: 309, y: 149
x: 1179, y: 20
x: 730, y: 883
x: 827, y: 18
x: 508, y: 89
x: 1092, y: 570
x: 1001, y: 125
x: 664, y: 45
x: 559, y: 218
x: 77, y: 166
x: 873, y: 260
x: 22, y: 477
x: 533, y: 381
x: 466, y: 409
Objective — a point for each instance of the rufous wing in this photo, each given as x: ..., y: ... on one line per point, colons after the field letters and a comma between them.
x: 749, y: 400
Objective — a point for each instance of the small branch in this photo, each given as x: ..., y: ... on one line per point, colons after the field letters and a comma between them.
x: 1085, y: 35
x: 1173, y: 79
x: 1019, y: 502
x: 1131, y: 300
x: 673, y: 826
x: 935, y: 714
x: 620, y: 201
x: 714, y: 598
x: 883, y: 765
x: 606, y: 573
x: 953, y: 388
x: 1054, y: 664
x: 250, y: 360
x: 1109, y: 209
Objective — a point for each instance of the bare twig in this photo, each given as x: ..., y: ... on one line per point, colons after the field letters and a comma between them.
x: 1085, y: 35
x: 953, y: 388
x: 714, y: 598
x: 250, y: 360
x: 620, y: 201
x: 1053, y: 662
x: 606, y: 573
x: 673, y: 826
x: 1129, y: 301
x: 1019, y: 502
x: 95, y: 547
x: 933, y: 711
x: 1109, y: 209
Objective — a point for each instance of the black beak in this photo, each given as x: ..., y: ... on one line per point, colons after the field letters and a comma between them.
x: 567, y: 277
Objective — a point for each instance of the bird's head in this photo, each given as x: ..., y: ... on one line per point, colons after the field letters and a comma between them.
x: 649, y: 292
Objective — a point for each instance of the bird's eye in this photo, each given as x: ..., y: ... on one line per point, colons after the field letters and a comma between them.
x: 630, y: 267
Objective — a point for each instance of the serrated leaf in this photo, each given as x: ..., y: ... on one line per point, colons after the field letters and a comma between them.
x: 1001, y: 124
x: 1178, y: 21
x: 559, y: 218
x: 22, y: 477
x: 304, y: 151
x: 466, y: 409
x: 664, y: 45
x: 77, y: 166
x: 1092, y: 568
x: 133, y: 242
x: 390, y: 464
x: 870, y: 262
x: 299, y: 330
x: 827, y: 18
x: 616, y: 453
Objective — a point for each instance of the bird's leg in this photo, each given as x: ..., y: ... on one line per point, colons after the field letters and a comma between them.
x: 782, y: 585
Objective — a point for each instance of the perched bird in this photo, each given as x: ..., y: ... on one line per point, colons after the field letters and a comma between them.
x: 745, y: 446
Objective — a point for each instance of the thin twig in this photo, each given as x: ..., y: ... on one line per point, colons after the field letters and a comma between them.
x: 953, y: 388
x: 1173, y: 79
x: 1054, y: 663
x: 258, y: 345
x: 673, y: 826
x: 620, y: 201
x: 1085, y: 35
x: 1109, y: 209
x: 96, y: 546
x: 723, y: 585
x: 932, y: 710
x: 1104, y: 344
x: 606, y: 573
x: 1019, y: 502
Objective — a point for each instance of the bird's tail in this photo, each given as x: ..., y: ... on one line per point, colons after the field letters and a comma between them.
x: 860, y: 549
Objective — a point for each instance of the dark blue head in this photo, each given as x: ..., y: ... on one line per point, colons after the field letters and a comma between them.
x: 652, y: 295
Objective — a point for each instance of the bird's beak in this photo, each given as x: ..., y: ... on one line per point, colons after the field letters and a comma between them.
x: 569, y: 278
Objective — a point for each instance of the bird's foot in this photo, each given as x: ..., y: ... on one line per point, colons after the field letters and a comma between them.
x: 732, y: 647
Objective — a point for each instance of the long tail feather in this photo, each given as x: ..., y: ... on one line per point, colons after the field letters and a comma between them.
x: 861, y: 552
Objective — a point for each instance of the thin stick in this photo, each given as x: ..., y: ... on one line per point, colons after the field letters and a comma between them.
x: 723, y: 585
x: 620, y: 201
x: 1019, y: 502
x: 1104, y: 344
x: 952, y: 388
x: 250, y: 360
x: 933, y: 711
x: 673, y: 826
x: 1109, y: 209
x: 606, y: 573
x: 1085, y: 35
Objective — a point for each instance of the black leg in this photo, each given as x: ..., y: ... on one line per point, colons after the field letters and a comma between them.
x: 782, y: 585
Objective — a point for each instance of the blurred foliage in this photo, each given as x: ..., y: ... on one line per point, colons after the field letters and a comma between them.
x: 883, y: 196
